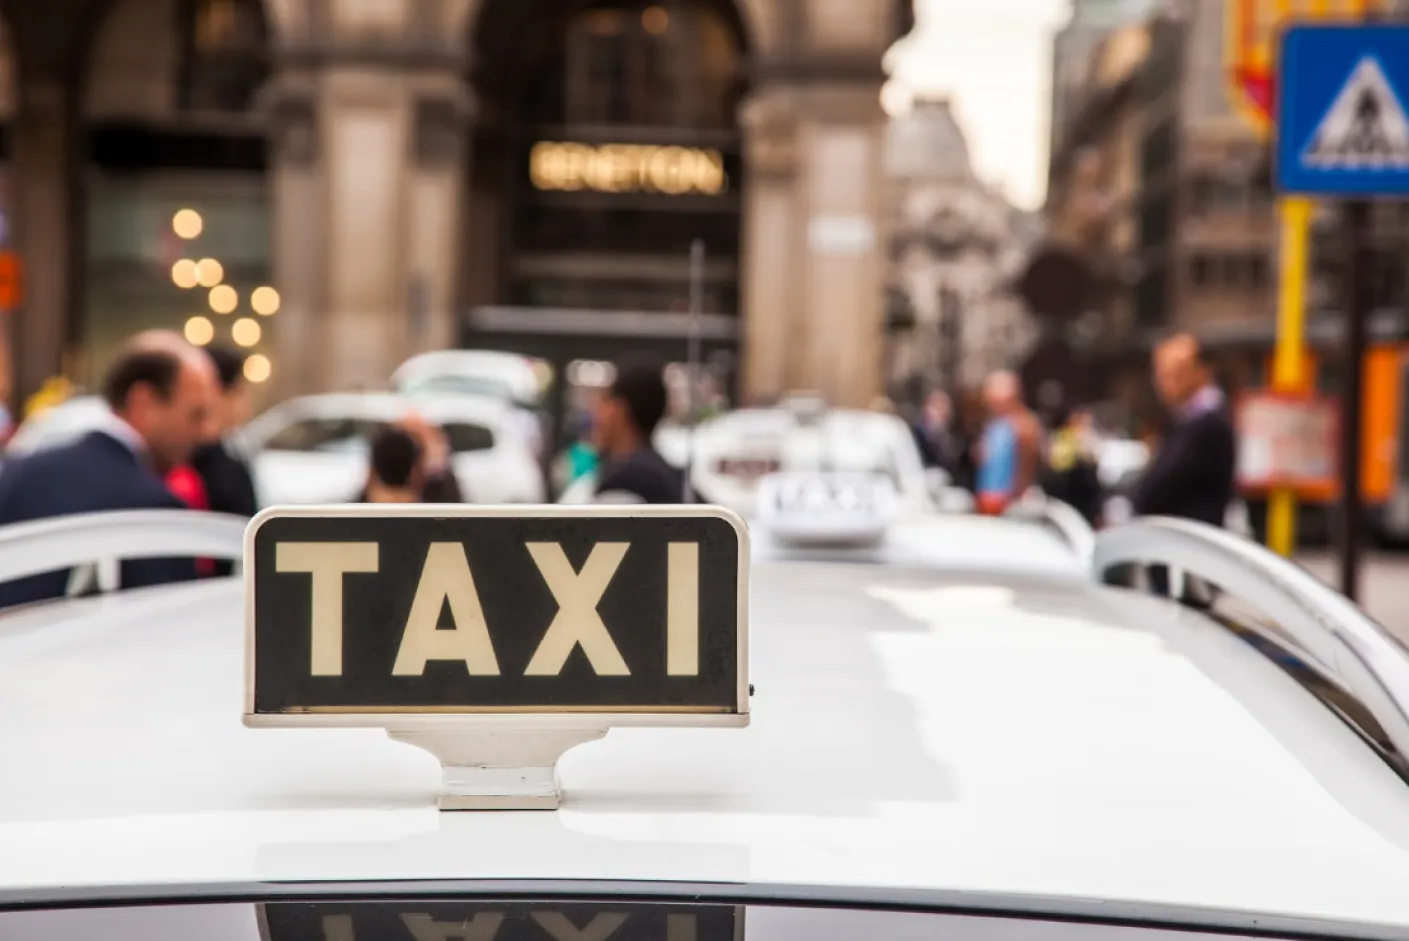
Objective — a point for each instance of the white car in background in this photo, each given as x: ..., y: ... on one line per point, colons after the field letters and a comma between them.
x: 507, y: 376
x: 314, y: 449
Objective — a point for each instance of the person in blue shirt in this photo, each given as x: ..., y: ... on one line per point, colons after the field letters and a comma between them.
x: 1010, y: 449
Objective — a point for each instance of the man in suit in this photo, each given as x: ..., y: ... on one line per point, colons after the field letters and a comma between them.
x: 160, y: 390
x: 1192, y: 474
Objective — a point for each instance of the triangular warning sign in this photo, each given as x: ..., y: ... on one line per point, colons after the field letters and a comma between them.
x: 1365, y: 128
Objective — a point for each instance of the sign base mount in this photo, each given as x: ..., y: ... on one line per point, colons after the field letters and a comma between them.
x: 499, y: 769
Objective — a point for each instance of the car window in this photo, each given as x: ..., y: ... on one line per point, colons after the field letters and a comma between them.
x: 466, y: 436
x: 325, y: 435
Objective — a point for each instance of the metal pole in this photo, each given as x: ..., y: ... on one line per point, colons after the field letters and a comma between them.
x: 697, y: 259
x: 1289, y: 372
x: 1357, y: 297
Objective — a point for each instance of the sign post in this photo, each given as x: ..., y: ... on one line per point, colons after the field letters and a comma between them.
x: 1342, y: 132
x: 1250, y: 70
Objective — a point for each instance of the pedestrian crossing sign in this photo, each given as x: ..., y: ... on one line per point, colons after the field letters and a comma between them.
x: 1342, y: 128
x: 1365, y: 126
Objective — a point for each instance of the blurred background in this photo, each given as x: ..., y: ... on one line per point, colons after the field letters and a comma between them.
x: 889, y: 198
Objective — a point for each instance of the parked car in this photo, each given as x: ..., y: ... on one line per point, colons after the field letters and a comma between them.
x: 313, y: 449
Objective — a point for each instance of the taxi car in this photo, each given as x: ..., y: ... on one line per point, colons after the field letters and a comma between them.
x: 972, y: 727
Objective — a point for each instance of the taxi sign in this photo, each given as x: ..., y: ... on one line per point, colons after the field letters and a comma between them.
x: 827, y: 507
x: 495, y: 920
x: 442, y: 622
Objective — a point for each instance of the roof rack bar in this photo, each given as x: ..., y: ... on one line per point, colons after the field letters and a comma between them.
x: 103, y: 539
x: 1338, y: 639
x: 1061, y: 517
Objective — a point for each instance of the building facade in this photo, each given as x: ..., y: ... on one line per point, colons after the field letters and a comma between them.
x: 1158, y: 147
x: 957, y: 248
x: 338, y: 184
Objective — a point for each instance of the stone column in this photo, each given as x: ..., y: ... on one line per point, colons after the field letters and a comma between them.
x: 815, y: 242
x: 770, y: 247
x: 368, y: 185
x: 44, y: 192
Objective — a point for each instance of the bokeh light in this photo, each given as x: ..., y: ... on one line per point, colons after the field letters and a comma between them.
x: 209, y: 272
x: 246, y: 331
x: 258, y: 368
x: 187, y: 223
x: 265, y: 301
x: 184, y: 274
x: 199, y: 330
x: 223, y: 299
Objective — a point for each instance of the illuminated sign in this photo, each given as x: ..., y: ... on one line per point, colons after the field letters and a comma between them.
x: 627, y: 168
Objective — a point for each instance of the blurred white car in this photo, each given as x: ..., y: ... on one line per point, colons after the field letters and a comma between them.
x: 499, y: 375
x: 314, y: 449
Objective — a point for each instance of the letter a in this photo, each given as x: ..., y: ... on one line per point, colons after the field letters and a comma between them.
x: 445, y: 579
x: 577, y: 622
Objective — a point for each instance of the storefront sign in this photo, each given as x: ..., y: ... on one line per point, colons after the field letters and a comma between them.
x: 627, y: 168
x: 1287, y: 441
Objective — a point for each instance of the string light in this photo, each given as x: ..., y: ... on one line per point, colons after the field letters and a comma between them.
x: 246, y: 331
x: 184, y: 274
x: 258, y: 368
x: 187, y: 223
x: 223, y: 299
x: 209, y: 272
x: 199, y: 330
x: 265, y: 301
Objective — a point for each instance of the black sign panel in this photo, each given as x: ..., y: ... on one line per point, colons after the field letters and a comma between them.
x: 363, y: 610
x: 500, y: 921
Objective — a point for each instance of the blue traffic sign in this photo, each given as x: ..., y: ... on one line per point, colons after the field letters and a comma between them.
x: 1342, y: 127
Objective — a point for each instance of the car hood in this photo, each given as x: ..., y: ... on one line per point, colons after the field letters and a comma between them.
x: 985, y: 731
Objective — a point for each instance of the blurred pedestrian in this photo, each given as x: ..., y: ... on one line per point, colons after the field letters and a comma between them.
x: 1071, y: 472
x: 1010, y: 451
x: 935, y: 435
x: 582, y: 456
x: 159, y: 392
x: 435, y: 469
x: 219, y: 461
x: 626, y: 417
x: 1192, y: 473
x: 394, y: 472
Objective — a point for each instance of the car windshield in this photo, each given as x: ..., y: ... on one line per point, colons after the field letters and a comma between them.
x: 623, y: 917
x: 345, y: 435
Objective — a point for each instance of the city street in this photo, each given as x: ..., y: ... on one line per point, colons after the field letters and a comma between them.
x: 1382, y: 585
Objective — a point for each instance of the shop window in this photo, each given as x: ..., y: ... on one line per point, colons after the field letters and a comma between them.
x: 646, y: 65
x: 1258, y: 272
x: 224, y: 54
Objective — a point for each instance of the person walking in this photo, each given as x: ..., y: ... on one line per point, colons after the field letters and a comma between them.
x: 229, y: 485
x: 626, y: 417
x: 1193, y: 471
x: 394, y: 473
x: 159, y: 392
x: 1010, y: 450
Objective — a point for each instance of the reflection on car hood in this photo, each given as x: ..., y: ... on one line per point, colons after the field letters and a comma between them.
x: 912, y: 727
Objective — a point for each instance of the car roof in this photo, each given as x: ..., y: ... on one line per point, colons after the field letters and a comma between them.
x: 381, y: 406
x: 913, y: 726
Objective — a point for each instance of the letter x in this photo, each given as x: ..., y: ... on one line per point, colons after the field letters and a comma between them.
x: 577, y: 621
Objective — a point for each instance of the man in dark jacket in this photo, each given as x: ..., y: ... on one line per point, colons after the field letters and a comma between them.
x: 1192, y: 474
x: 160, y: 390
x: 623, y: 427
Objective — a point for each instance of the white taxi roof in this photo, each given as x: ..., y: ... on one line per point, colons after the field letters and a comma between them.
x: 913, y: 726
